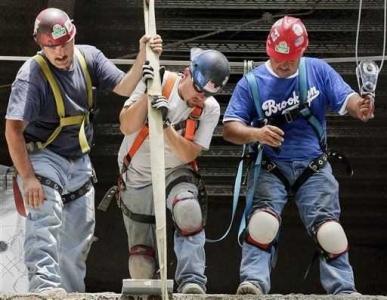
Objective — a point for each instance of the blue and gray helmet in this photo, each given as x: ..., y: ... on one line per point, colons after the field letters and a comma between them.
x: 210, y: 70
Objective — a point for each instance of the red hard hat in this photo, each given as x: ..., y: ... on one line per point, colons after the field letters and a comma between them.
x: 287, y: 40
x: 53, y: 27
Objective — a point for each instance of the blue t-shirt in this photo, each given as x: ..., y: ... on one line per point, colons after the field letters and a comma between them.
x: 326, y: 91
x: 32, y: 99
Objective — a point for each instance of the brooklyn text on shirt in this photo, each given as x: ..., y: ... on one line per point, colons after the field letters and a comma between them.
x: 271, y: 107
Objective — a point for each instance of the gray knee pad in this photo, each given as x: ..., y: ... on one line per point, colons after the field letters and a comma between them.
x: 331, y: 238
x: 187, y: 214
x: 262, y: 228
x: 142, y: 264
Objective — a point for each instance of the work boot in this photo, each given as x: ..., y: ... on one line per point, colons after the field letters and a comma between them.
x: 352, y: 294
x: 247, y: 288
x: 192, y: 288
x: 53, y: 293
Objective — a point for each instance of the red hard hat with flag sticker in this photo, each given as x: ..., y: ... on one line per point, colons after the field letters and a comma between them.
x: 53, y: 27
x: 287, y: 40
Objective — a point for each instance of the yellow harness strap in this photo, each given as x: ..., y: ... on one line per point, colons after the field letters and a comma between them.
x: 81, y: 120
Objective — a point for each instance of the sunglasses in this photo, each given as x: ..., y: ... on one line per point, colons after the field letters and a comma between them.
x: 198, y: 89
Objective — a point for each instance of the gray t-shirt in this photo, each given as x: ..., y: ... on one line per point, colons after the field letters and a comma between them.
x: 32, y: 100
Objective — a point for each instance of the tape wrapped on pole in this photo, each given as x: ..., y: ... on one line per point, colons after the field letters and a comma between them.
x: 156, y: 139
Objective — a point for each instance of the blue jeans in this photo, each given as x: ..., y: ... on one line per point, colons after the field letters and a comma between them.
x: 189, y: 250
x: 58, y: 237
x: 317, y: 200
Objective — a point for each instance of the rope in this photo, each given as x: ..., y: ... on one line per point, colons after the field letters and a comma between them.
x: 384, y: 34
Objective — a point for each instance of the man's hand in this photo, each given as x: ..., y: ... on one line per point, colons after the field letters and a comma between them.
x: 270, y: 135
x: 161, y: 104
x: 240, y: 133
x: 366, y: 108
x: 361, y: 107
x: 155, y: 43
x: 147, y: 72
x: 33, y: 192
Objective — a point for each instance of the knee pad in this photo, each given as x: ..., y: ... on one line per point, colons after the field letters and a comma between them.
x: 263, y: 228
x: 142, y: 264
x: 331, y: 238
x: 187, y: 214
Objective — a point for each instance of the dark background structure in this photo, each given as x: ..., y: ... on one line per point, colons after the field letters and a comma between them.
x: 239, y: 29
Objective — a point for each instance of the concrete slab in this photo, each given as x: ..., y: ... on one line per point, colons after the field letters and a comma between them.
x: 113, y: 296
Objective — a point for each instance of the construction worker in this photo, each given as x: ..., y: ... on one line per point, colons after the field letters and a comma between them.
x: 190, y: 115
x: 49, y: 133
x: 281, y: 105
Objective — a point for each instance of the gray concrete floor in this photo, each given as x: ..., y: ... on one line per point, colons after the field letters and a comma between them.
x: 113, y: 296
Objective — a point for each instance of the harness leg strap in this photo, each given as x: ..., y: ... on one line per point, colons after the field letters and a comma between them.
x: 147, y: 219
x: 314, y: 166
x: 271, y: 167
x: 66, y: 198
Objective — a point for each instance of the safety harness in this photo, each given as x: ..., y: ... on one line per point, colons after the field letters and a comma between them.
x: 189, y: 126
x: 254, y: 154
x: 82, y: 120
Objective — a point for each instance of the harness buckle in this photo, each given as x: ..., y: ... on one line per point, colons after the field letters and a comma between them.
x: 268, y: 165
x: 288, y: 117
x: 291, y: 113
x: 33, y: 147
x: 313, y: 166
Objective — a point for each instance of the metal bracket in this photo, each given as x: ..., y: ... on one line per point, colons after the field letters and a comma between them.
x: 145, y: 287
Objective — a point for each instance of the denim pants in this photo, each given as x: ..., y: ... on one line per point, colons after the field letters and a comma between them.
x: 189, y: 250
x: 317, y: 200
x: 58, y: 237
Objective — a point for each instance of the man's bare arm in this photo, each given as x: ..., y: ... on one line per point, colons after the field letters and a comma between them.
x: 33, y: 192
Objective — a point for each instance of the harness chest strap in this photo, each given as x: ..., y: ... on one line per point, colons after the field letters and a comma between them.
x: 64, y: 121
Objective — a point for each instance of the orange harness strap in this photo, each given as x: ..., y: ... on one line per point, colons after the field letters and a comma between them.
x: 190, y: 123
x: 169, y: 83
x: 142, y: 135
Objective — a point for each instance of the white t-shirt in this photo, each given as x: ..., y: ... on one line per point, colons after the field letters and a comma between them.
x: 139, y: 171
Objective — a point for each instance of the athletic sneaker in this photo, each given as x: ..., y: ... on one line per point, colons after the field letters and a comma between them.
x: 247, y: 288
